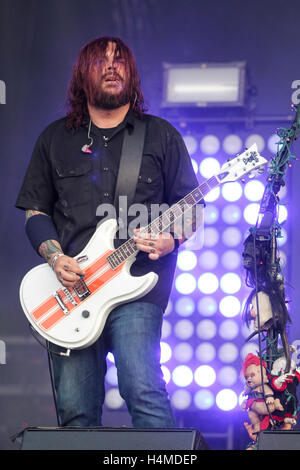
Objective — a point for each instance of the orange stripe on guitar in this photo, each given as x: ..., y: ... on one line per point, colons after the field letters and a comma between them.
x: 44, y: 308
x: 93, y: 287
x: 48, y: 304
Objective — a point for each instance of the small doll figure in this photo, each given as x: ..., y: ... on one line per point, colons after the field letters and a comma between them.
x: 259, y: 394
x: 284, y: 386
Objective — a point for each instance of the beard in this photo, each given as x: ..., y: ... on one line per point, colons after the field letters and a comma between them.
x: 109, y: 100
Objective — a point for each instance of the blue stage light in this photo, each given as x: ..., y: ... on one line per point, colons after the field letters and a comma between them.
x: 208, y: 259
x: 228, y: 353
x: 205, y: 352
x: 232, y: 191
x: 251, y: 212
x: 187, y: 260
x: 210, y: 144
x: 181, y: 399
x: 209, y: 167
x: 227, y: 376
x: 166, y: 374
x: 228, y: 329
x: 185, y: 283
x: 208, y: 283
x: 231, y: 214
x: 231, y: 259
x: 184, y: 329
x: 254, y: 190
x: 230, y: 283
x: 207, y: 306
x: 205, y: 376
x: 182, y: 376
x: 230, y: 306
x: 183, y: 352
x: 165, y: 352
x: 231, y: 236
x: 226, y: 399
x: 211, y: 236
x: 232, y: 144
x: 211, y: 214
x: 204, y: 399
x: 206, y: 329
x: 185, y: 306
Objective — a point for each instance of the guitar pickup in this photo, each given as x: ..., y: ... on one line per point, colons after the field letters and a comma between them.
x: 81, y: 289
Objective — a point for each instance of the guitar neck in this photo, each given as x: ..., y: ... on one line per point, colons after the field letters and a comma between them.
x: 164, y: 221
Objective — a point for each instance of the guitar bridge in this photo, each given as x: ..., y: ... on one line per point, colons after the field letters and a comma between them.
x: 81, y: 289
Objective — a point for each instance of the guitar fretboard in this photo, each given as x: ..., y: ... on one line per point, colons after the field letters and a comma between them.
x: 163, y: 222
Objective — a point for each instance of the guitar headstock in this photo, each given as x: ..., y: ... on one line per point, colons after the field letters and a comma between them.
x: 243, y: 164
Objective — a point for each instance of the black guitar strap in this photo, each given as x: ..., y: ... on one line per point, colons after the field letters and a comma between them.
x: 129, y: 169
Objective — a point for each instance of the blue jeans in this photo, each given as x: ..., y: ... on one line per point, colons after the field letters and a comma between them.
x: 132, y: 333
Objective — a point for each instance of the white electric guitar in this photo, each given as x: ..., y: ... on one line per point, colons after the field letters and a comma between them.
x: 74, y: 318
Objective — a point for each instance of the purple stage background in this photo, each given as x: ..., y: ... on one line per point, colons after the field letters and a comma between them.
x: 39, y: 43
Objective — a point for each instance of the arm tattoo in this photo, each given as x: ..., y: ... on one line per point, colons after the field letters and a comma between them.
x: 31, y: 212
x: 48, y: 248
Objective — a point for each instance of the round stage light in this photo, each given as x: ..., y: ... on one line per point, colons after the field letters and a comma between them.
x: 251, y: 212
x: 181, y: 399
x: 166, y: 329
x: 273, y: 142
x: 232, y: 144
x: 208, y: 167
x: 231, y: 259
x: 282, y: 213
x: 195, y: 165
x: 111, y: 376
x: 228, y: 353
x: 254, y: 190
x: 230, y: 283
x: 232, y: 191
x: 204, y: 376
x: 187, y: 260
x: 185, y: 306
x: 185, y: 283
x: 184, y: 329
x: 191, y: 144
x: 208, y: 283
x: 166, y: 374
x: 206, y: 329
x: 230, y: 306
x: 165, y: 352
x: 208, y: 259
x: 205, y: 352
x: 213, y: 195
x: 211, y: 236
x: 211, y: 214
x: 183, y: 352
x: 207, y: 306
x: 182, y: 376
x: 169, y: 308
x: 283, y: 239
x: 210, y: 144
x: 228, y: 329
x: 113, y: 399
x: 226, y: 399
x: 231, y: 236
x: 204, y: 399
x: 231, y: 214
x: 227, y: 376
x: 250, y: 347
x: 255, y: 139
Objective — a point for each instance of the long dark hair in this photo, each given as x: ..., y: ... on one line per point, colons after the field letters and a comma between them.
x: 77, y: 110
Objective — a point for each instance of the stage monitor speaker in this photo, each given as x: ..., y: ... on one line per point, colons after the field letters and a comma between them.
x: 101, y: 438
x: 279, y: 440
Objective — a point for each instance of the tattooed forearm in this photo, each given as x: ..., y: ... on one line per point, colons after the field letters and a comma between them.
x: 31, y: 212
x: 48, y: 249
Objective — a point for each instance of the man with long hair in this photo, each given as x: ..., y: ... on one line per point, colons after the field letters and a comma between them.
x: 72, y: 172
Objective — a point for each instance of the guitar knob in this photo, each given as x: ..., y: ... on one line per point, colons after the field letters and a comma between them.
x: 85, y: 313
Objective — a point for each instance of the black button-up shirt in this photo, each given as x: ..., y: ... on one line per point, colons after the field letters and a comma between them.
x: 70, y: 185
